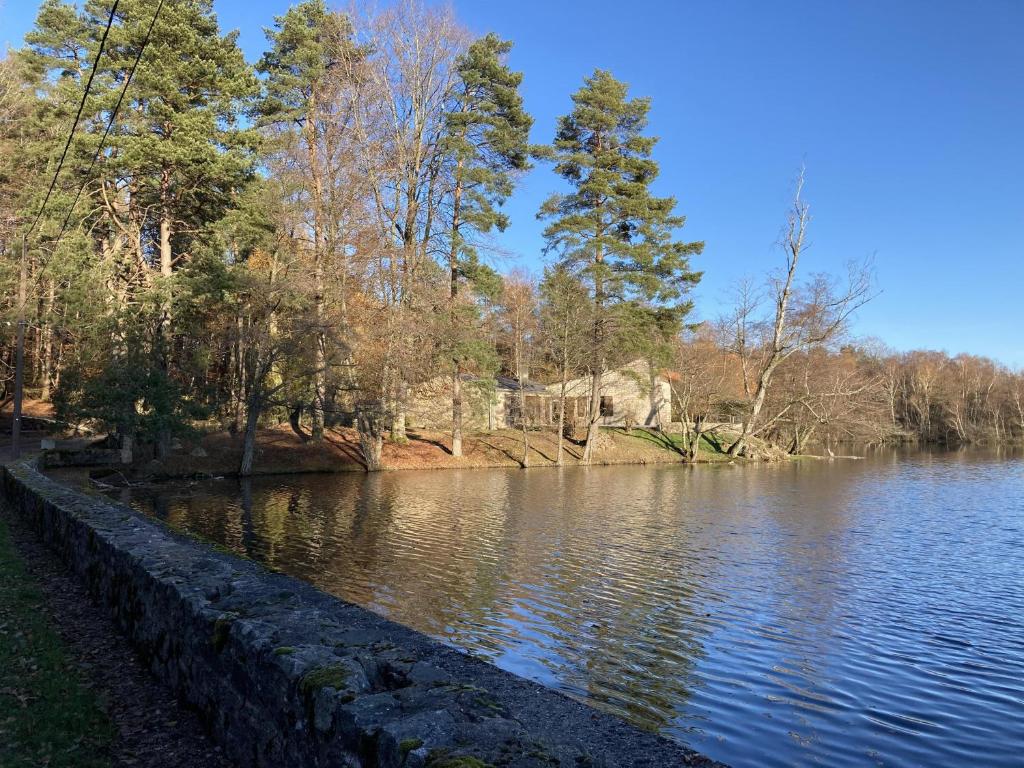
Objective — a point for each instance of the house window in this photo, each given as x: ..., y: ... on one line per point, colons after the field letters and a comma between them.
x: 607, y: 407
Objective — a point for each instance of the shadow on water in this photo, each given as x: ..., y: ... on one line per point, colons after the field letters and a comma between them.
x: 834, y: 613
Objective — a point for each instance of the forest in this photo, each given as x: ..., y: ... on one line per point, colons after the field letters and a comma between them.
x: 191, y: 242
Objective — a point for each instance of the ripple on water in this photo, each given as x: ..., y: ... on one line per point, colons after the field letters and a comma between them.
x: 838, y: 614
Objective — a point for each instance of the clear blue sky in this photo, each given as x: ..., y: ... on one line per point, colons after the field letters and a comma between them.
x: 909, y: 116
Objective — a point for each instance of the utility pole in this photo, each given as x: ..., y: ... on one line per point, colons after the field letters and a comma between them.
x: 19, y: 360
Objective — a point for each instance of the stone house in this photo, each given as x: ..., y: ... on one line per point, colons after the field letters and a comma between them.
x: 631, y: 395
x: 487, y: 404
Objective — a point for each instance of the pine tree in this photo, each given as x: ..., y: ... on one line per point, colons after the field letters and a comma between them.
x: 610, y: 229
x: 172, y: 167
x: 488, y: 140
x: 180, y: 143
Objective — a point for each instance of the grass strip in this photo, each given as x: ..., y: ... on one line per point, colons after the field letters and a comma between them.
x: 48, y: 717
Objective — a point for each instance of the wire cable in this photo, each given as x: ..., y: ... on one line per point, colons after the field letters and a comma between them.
x: 110, y: 122
x: 78, y: 116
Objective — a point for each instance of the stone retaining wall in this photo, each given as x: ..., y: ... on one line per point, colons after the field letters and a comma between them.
x: 286, y: 675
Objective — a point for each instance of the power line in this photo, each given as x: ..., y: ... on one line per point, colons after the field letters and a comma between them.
x: 20, y: 344
x: 78, y: 116
x: 110, y: 122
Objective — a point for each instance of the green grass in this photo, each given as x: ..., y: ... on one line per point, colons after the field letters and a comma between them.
x: 672, y: 441
x: 47, y: 716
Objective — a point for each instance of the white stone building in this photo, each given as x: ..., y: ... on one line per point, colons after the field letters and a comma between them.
x: 631, y: 395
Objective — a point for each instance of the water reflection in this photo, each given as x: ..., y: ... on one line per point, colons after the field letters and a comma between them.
x: 834, y: 613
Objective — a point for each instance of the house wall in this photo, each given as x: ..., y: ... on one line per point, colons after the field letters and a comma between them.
x: 636, y: 399
x: 430, y: 406
x: 635, y: 396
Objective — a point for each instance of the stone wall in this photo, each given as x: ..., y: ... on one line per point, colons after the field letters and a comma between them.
x: 286, y: 675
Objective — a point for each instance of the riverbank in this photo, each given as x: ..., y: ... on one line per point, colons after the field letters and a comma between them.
x: 286, y: 675
x: 280, y: 451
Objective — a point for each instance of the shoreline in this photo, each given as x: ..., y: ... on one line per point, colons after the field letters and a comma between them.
x: 234, y: 640
x: 279, y: 451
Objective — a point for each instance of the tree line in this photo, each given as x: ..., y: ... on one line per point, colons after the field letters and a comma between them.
x: 309, y: 238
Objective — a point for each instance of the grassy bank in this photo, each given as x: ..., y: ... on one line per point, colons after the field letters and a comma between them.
x: 47, y: 716
x: 280, y: 450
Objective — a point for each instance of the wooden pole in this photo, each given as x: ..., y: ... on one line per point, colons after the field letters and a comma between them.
x: 19, y: 364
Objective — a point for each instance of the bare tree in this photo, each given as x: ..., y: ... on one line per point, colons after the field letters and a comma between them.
x: 519, y: 316
x: 804, y: 317
x: 565, y: 335
x: 697, y: 384
x: 414, y: 69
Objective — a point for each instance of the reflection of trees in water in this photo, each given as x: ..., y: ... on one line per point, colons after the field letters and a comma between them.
x: 701, y: 598
x: 578, y: 575
x: 437, y: 566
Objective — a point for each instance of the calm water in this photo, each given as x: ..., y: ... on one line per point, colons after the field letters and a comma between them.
x: 848, y: 613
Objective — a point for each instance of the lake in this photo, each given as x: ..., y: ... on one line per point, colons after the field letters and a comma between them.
x: 841, y: 613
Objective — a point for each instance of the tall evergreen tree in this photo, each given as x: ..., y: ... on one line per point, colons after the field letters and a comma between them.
x: 610, y: 229
x: 173, y: 165
x: 179, y: 140
x: 488, y: 138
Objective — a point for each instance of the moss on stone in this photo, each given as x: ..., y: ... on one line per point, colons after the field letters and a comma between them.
x: 441, y: 758
x: 221, y: 629
x: 330, y: 676
x: 408, y: 745
x: 284, y: 650
x: 486, y: 702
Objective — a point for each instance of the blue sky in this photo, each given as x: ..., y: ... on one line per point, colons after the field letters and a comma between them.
x: 909, y: 116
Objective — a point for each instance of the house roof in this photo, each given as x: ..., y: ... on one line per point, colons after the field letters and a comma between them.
x: 509, y: 383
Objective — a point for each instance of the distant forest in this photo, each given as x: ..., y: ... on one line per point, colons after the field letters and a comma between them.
x: 194, y: 242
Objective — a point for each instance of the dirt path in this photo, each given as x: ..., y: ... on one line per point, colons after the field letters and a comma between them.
x: 152, y: 729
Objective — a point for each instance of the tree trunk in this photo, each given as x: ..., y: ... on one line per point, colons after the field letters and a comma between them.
x: 319, y: 375
x: 238, y: 395
x: 525, y: 462
x: 46, y: 367
x: 319, y: 340
x: 398, y: 433
x: 794, y: 245
x: 561, y: 414
x: 252, y: 418
x: 522, y: 420
x: 166, y: 257
x: 456, y: 411
x: 409, y: 249
x: 763, y: 382
x: 453, y: 267
x: 163, y: 437
x: 58, y: 363
x: 371, y: 438
x: 599, y: 361
x: 698, y: 432
x: 593, y: 428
